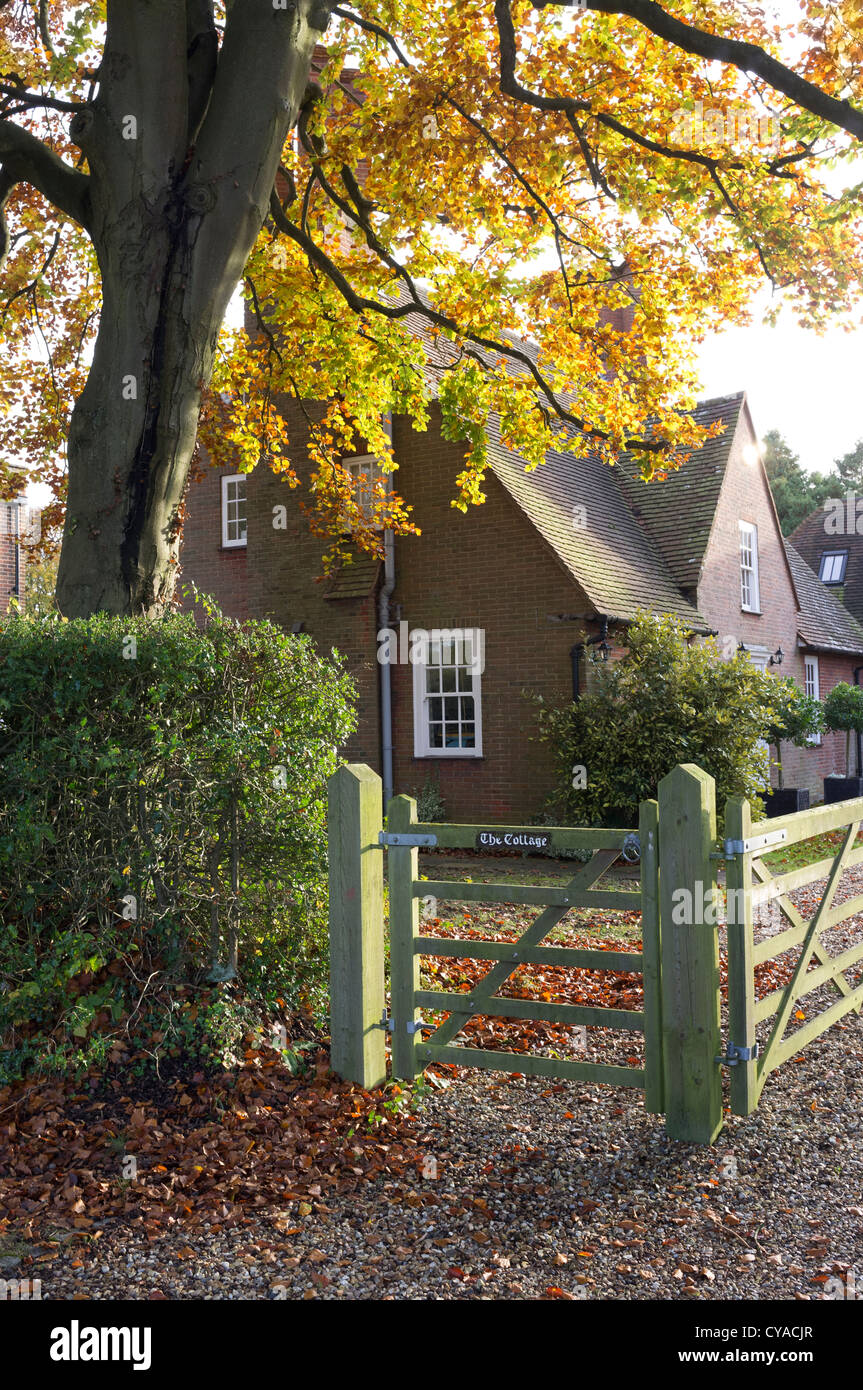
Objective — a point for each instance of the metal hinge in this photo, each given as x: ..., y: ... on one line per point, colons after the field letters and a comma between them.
x: 403, y: 841
x: 770, y: 837
x: 734, y: 1054
x: 388, y: 1024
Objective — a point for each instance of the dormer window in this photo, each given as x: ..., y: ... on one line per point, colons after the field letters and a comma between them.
x: 833, y: 566
x: 750, y: 598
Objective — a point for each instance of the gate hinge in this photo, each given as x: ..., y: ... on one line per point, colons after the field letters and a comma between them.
x: 734, y: 1054
x: 410, y: 841
x: 769, y: 837
x: 388, y: 1024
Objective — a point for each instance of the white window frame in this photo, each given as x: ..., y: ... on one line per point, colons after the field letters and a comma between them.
x: 423, y: 696
x: 229, y: 542
x: 812, y: 687
x: 750, y: 592
x: 370, y: 465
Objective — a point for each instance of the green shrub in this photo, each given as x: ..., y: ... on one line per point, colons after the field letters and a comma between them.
x: 667, y: 701
x: 797, y: 717
x: 843, y: 713
x: 162, y: 822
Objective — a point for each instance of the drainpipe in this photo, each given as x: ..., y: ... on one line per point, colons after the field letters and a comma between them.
x: 18, y: 551
x: 386, y: 682
x: 575, y: 658
x: 857, y: 670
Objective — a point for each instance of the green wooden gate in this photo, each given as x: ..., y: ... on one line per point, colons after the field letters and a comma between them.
x: 752, y: 884
x: 679, y: 960
x: 411, y: 1053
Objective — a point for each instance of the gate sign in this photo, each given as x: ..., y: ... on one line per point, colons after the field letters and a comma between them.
x: 508, y: 839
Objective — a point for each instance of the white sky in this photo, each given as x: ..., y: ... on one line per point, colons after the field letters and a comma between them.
x: 807, y: 386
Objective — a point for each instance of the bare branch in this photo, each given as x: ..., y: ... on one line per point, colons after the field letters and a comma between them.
x: 44, y: 31
x: 25, y: 159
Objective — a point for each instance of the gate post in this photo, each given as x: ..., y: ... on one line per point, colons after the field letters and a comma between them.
x: 402, y: 870
x: 651, y: 951
x: 356, y: 916
x: 690, y: 955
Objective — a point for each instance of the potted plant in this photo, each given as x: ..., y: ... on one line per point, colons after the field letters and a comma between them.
x: 843, y: 713
x: 796, y: 719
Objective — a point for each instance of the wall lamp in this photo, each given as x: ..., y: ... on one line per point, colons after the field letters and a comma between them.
x: 776, y: 658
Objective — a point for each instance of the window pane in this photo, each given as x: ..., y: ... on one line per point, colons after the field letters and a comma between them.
x: 450, y: 708
x: 433, y: 678
x: 436, y: 709
x: 467, y: 707
x: 467, y: 736
x: 436, y: 736
x: 448, y: 678
x: 465, y: 680
x: 452, y: 736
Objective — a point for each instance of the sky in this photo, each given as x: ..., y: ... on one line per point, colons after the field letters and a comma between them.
x: 807, y: 386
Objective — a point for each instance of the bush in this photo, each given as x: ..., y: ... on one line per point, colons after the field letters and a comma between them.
x: 843, y: 713
x: 665, y: 702
x: 162, y: 822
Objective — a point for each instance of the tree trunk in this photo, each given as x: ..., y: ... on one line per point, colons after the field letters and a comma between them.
x: 183, y: 153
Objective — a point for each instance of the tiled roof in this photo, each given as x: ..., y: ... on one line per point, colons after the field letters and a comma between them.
x: 611, y: 557
x: 823, y: 622
x: 678, y: 512
x: 811, y: 539
x: 354, y: 580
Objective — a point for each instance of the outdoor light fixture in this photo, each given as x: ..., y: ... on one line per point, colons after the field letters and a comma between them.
x: 604, y: 650
x: 776, y: 658
x: 743, y: 647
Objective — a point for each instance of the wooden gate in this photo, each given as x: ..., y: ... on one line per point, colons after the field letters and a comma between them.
x: 411, y: 1053
x: 750, y: 885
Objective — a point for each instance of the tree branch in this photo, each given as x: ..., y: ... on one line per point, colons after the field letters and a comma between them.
x: 202, y: 50
x: 25, y: 159
x: 747, y: 57
x: 416, y: 305
x: 44, y: 31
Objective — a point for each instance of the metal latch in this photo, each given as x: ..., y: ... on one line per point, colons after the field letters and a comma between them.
x: 406, y: 841
x: 734, y: 1054
x: 770, y: 837
x: 631, y: 849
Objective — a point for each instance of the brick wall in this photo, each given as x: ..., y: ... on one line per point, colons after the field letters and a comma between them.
x: 7, y: 562
x: 487, y: 569
x: 746, y: 497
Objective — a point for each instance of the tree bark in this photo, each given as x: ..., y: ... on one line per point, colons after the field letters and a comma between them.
x: 183, y: 152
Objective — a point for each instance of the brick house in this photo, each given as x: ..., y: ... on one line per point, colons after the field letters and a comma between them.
x: 554, y: 563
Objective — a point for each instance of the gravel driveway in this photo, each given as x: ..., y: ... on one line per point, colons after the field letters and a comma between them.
x: 549, y: 1190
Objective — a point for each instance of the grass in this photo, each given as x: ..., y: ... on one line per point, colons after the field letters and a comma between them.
x: 807, y: 851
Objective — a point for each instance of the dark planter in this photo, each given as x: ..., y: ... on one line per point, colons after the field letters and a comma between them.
x: 842, y: 789
x: 786, y: 800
